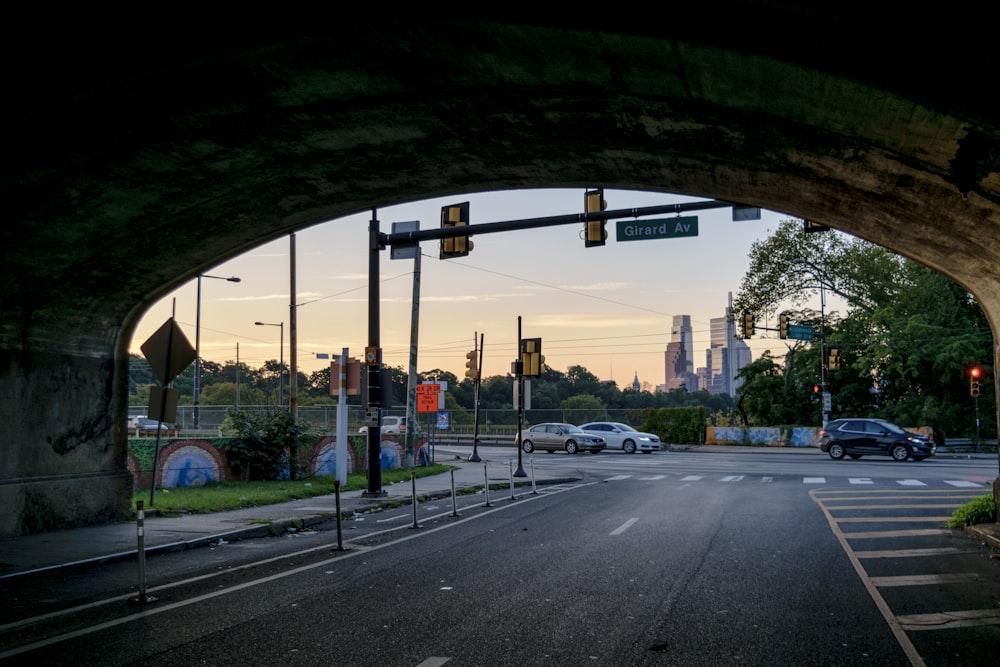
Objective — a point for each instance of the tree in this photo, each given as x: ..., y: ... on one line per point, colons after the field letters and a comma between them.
x: 905, y: 344
x: 585, y: 408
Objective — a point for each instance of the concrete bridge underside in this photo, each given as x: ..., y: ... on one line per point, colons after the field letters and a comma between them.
x: 134, y: 164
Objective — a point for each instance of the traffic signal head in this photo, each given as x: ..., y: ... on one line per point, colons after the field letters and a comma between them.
x: 531, y: 357
x: 783, y: 325
x: 749, y: 325
x: 833, y: 358
x: 595, y: 229
x: 456, y: 215
x: 975, y: 388
x: 472, y: 365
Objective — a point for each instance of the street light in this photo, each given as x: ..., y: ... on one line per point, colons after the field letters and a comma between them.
x: 197, y: 348
x: 814, y: 271
x: 281, y: 361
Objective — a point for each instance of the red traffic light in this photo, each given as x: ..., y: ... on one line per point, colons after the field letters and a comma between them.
x: 974, y: 372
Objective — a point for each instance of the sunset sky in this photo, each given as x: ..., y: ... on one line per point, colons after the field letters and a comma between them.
x: 607, y: 308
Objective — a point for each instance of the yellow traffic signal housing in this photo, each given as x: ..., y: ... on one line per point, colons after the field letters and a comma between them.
x: 531, y: 357
x: 975, y: 388
x: 783, y: 325
x: 472, y: 365
x: 833, y: 358
x: 749, y: 325
x: 455, y: 215
x: 596, y: 232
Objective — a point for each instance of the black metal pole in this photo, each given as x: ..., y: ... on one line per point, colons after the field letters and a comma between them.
x: 373, y: 357
x: 475, y: 458
x: 520, y: 399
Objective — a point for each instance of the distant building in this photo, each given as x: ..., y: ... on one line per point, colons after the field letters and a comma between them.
x: 679, y: 357
x: 726, y: 355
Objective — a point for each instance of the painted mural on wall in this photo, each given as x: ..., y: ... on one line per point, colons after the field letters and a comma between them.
x: 197, y: 462
x: 761, y: 436
x: 190, y: 463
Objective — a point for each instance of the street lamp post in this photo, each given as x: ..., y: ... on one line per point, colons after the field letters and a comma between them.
x: 281, y: 359
x: 196, y: 392
x: 827, y: 398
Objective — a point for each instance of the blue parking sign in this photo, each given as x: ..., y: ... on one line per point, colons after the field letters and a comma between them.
x: 442, y: 421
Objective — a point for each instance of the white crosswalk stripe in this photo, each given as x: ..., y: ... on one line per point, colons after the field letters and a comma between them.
x: 767, y: 479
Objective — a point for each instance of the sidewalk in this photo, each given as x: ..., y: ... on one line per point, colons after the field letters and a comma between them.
x: 28, y: 554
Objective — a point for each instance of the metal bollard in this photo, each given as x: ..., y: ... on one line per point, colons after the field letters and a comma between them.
x: 340, y: 534
x: 140, y: 516
x: 454, y: 509
x: 413, y: 494
x: 486, y: 488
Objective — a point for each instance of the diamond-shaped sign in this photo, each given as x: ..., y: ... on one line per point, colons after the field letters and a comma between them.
x: 168, y: 351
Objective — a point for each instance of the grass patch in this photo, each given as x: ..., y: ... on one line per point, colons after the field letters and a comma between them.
x: 979, y: 510
x: 236, y: 495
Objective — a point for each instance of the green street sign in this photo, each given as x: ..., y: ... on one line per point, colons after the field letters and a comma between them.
x: 800, y: 332
x: 665, y: 228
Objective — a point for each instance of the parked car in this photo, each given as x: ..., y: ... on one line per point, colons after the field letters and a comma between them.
x: 553, y: 436
x: 145, y: 424
x: 622, y: 436
x: 860, y: 437
x: 392, y: 425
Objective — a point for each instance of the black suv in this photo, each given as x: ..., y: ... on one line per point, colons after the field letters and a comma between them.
x: 857, y: 437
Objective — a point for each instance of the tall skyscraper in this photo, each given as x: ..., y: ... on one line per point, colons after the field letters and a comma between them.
x: 726, y: 355
x: 681, y: 333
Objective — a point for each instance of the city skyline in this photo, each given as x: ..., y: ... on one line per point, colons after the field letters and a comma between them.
x: 609, y: 309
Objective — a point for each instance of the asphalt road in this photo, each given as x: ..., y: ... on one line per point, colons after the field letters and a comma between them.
x: 672, y: 559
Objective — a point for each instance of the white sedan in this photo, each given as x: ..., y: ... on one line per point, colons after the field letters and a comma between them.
x: 624, y: 437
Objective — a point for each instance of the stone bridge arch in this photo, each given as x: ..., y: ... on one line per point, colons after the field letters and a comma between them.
x: 136, y: 163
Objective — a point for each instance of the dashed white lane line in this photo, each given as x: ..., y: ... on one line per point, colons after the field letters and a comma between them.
x: 625, y: 526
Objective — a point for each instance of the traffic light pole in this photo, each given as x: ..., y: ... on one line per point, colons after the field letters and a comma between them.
x: 475, y: 420
x: 447, y: 232
x: 373, y: 359
x: 520, y: 400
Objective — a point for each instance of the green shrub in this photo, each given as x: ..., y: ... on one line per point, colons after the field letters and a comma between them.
x: 980, y: 510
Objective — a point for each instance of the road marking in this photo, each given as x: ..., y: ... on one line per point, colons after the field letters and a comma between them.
x: 691, y: 478
x: 950, y: 619
x: 617, y: 478
x: 868, y: 534
x: 909, y: 553
x: 962, y: 483
x: 860, y: 480
x: 924, y: 579
x: 653, y: 478
x: 433, y: 661
x: 910, y: 482
x: 625, y: 526
x: 732, y: 478
x: 814, y: 480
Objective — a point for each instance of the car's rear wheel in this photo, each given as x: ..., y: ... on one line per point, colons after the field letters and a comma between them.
x: 629, y: 447
x: 900, y: 452
x: 836, y: 451
x: 527, y: 447
x: 571, y: 447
